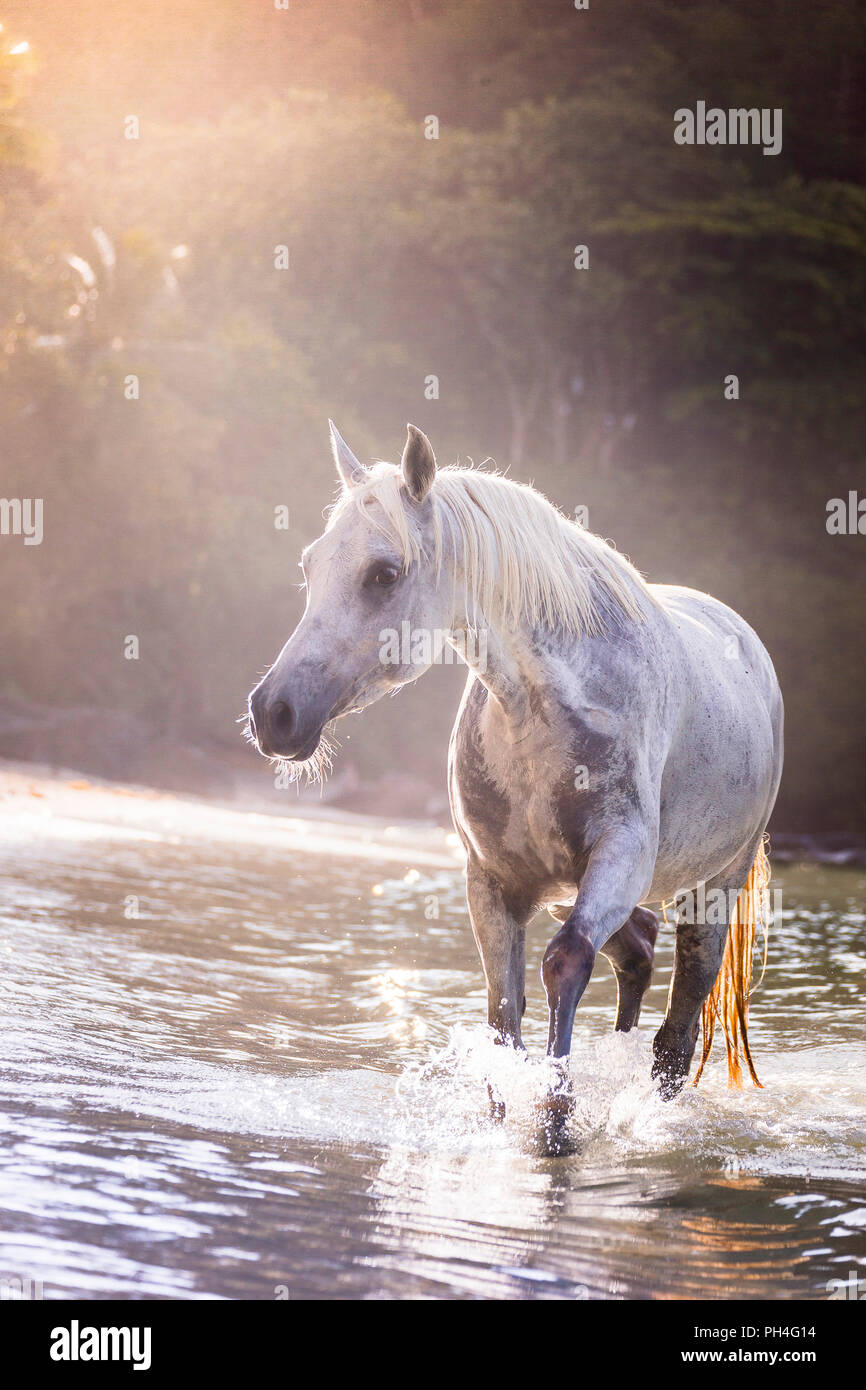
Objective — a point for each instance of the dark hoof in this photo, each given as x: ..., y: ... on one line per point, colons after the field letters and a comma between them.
x: 551, y: 1136
x: 670, y: 1082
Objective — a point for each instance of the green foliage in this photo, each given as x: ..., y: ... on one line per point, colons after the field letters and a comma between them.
x: 155, y: 258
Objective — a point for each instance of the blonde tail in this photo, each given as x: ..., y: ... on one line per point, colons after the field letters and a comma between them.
x: 729, y: 999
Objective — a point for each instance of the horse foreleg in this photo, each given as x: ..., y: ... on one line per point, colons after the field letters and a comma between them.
x: 499, y: 927
x: 630, y: 951
x: 617, y: 875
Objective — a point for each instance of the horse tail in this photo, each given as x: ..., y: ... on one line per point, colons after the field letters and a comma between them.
x: 729, y: 999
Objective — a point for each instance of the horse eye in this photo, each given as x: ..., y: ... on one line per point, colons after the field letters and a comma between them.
x: 386, y: 576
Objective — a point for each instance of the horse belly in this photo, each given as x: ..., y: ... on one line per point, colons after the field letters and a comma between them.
x: 719, y: 782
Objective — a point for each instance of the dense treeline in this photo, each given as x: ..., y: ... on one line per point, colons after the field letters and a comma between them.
x: 152, y: 159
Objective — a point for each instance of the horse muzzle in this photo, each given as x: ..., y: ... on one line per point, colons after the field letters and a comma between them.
x: 280, y: 729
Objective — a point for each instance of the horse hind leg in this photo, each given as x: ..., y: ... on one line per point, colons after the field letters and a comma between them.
x: 697, y: 960
x: 698, y: 956
x: 630, y: 951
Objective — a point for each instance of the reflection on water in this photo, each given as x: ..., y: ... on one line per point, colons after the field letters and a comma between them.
x: 230, y: 1068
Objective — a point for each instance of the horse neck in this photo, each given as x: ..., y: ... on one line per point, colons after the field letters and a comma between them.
x: 502, y: 663
x: 517, y: 658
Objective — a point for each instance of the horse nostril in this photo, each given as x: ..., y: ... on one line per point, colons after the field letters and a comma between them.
x: 282, y: 718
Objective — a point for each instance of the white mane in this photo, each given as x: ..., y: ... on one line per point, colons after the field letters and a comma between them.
x: 522, y: 560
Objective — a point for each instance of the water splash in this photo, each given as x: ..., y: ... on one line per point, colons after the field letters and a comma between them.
x: 797, y: 1124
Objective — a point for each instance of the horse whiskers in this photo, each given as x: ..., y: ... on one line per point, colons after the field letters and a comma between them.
x: 316, y: 768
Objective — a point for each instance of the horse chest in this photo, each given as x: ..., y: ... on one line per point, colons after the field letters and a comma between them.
x: 514, y: 839
x: 508, y: 807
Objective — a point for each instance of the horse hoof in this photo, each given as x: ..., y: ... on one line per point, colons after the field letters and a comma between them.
x: 497, y: 1111
x: 552, y: 1137
x: 669, y: 1083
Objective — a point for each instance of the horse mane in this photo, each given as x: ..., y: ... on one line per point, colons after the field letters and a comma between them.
x: 522, y: 559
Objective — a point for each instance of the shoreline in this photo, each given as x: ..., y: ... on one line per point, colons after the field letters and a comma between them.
x: 38, y: 795
x: 71, y: 793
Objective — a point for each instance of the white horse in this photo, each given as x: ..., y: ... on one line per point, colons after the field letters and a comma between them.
x: 619, y: 743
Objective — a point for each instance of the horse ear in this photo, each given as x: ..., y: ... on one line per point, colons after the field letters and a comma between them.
x: 418, y: 463
x: 349, y: 468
